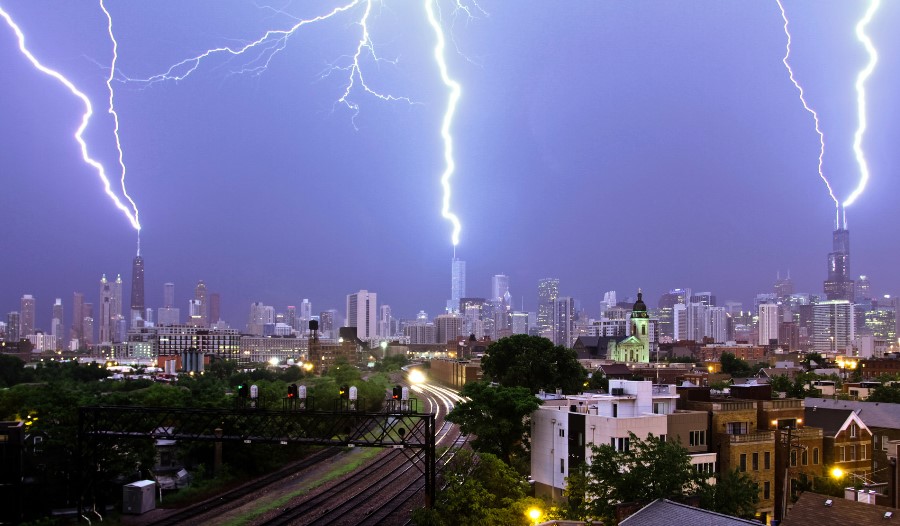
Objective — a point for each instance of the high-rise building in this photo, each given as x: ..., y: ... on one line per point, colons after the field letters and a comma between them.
x: 385, y: 322
x: 499, y: 287
x: 769, y: 321
x: 783, y: 287
x: 291, y: 319
x: 565, y: 321
x: 548, y: 294
x: 863, y: 289
x: 457, y: 284
x: 328, y: 323
x: 260, y: 316
x: 137, y: 290
x: 519, y: 322
x: 168, y: 295
x: 110, y: 308
x: 666, y: 307
x: 305, y: 315
x: 718, y: 324
x: 362, y: 313
x: 833, y: 326
x: 448, y: 327
x: 839, y: 286
x: 87, y: 324
x: 77, y: 332
x: 13, y: 323
x: 27, y: 313
x: 201, y: 297
x: 706, y: 298
x: 57, y: 329
x: 215, y: 308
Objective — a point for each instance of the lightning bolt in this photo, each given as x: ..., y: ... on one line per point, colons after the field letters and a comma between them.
x: 132, y: 213
x: 812, y: 112
x: 112, y: 111
x: 452, y: 99
x: 861, y: 102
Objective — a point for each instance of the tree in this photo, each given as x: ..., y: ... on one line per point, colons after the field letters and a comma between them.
x: 498, y: 416
x: 533, y: 362
x: 479, y: 490
x: 885, y: 393
x: 734, y: 493
x: 734, y: 365
x: 643, y: 471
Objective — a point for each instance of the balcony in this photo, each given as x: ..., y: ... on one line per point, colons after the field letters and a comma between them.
x: 758, y: 436
x: 787, y: 403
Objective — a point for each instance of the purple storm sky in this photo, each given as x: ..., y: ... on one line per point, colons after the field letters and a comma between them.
x: 613, y: 145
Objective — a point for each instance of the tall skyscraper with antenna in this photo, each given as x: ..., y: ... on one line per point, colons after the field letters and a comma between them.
x: 457, y: 284
x: 137, y: 290
x: 839, y: 286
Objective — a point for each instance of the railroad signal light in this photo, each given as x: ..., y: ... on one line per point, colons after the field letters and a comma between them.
x: 397, y: 392
x: 243, y: 392
x: 292, y: 391
x: 343, y: 391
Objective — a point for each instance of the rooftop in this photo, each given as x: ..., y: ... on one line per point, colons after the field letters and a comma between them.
x: 822, y: 510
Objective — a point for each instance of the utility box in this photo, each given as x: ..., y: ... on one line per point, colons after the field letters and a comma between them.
x: 139, y: 497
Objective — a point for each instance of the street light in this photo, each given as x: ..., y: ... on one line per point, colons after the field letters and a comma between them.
x: 534, y: 514
x: 839, y: 473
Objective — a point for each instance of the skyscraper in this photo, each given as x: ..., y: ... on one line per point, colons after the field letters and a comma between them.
x: 457, y: 284
x: 215, y: 308
x: 833, y: 326
x: 839, y: 286
x: 565, y: 321
x: 57, y: 328
x: 769, y: 321
x: 168, y: 295
x: 666, y: 307
x: 306, y: 315
x: 137, y: 290
x: 783, y: 287
x: 78, y: 317
x: 110, y: 308
x: 27, y: 313
x: 200, y: 297
x: 499, y: 287
x: 548, y: 293
x: 13, y: 322
x: 362, y: 313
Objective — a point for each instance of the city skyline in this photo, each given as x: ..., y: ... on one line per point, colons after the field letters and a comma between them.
x: 651, y: 146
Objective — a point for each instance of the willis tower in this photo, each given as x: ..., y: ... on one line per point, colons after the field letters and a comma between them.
x: 839, y: 286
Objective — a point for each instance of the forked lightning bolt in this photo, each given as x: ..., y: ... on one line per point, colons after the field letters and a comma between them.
x: 260, y: 52
x: 812, y: 112
x: 861, y: 102
x: 455, y: 92
x: 130, y: 213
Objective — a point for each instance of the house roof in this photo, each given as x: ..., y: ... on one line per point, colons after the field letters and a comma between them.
x: 615, y: 369
x: 873, y: 414
x: 832, y: 421
x: 771, y: 372
x: 812, y: 508
x: 663, y: 512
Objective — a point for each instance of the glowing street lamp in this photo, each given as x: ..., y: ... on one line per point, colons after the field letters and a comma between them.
x: 534, y: 514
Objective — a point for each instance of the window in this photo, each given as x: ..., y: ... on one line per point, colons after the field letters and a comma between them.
x: 615, y: 410
x: 659, y: 408
x: 852, y: 453
x: 884, y: 442
x: 767, y: 460
x: 804, y: 457
x: 793, y: 458
x: 562, y: 465
x: 841, y: 455
x: 862, y: 451
x: 755, y: 462
x: 767, y: 490
x: 697, y: 438
x: 815, y: 455
x: 562, y: 432
x: 853, y: 430
x: 743, y: 466
x: 736, y: 428
x: 619, y: 443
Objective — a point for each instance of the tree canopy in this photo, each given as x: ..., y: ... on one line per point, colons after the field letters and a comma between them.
x: 735, y: 366
x: 498, y: 416
x: 535, y: 363
x: 646, y: 470
x: 479, y: 489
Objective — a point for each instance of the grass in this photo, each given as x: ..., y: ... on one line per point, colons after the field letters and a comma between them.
x: 340, y: 469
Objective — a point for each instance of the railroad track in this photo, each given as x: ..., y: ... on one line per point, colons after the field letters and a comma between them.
x: 383, y: 493
x: 231, y: 498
